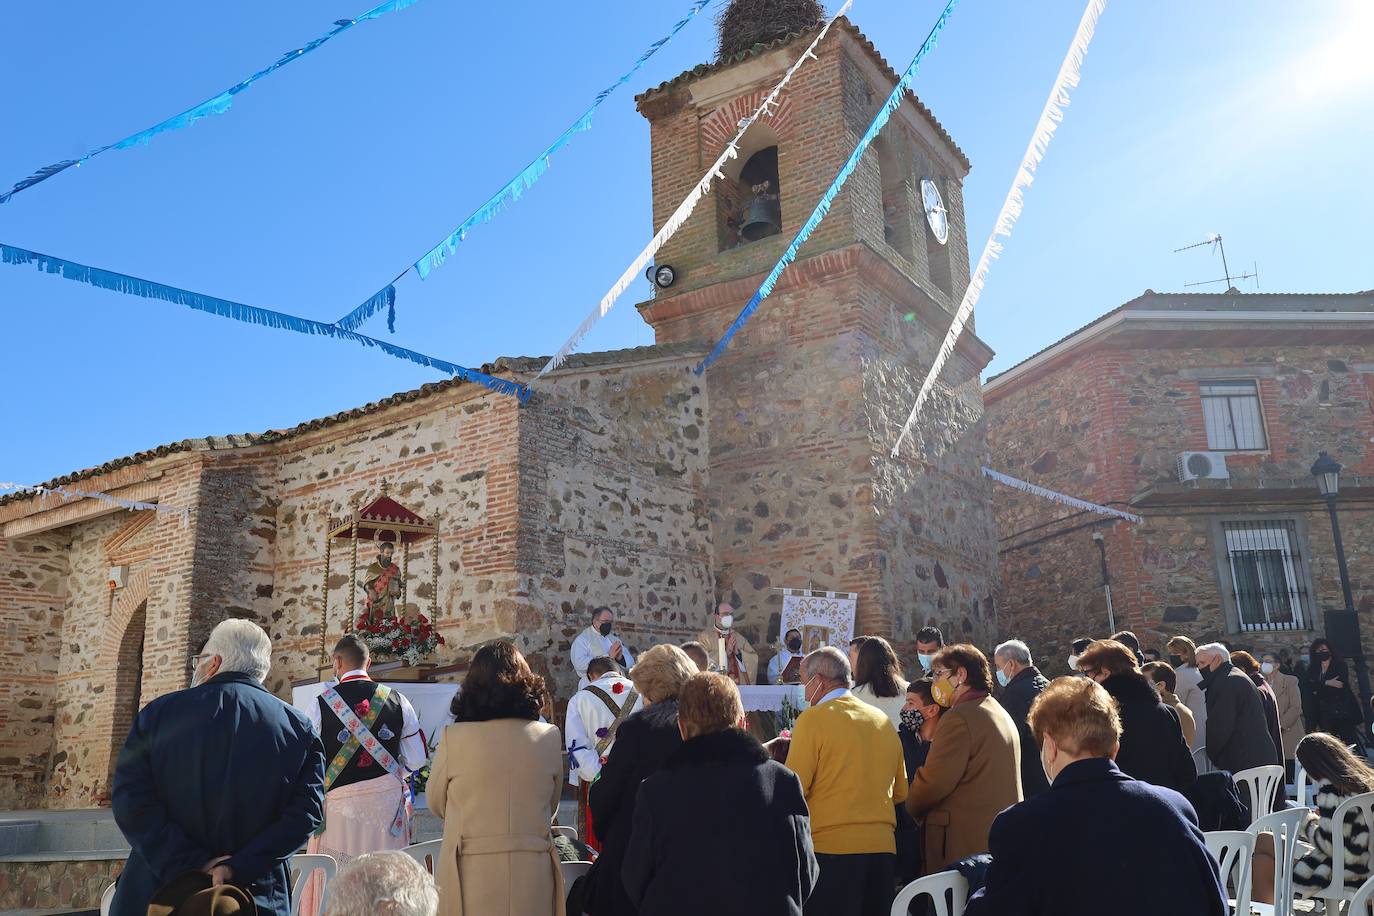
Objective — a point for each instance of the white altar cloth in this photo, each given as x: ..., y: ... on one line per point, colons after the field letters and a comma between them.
x: 769, y: 698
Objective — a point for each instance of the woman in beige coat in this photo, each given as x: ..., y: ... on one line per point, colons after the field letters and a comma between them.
x: 1286, y: 694
x: 495, y: 780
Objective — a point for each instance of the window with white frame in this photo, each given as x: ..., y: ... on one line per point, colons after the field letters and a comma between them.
x: 1231, y: 412
x: 1268, y: 584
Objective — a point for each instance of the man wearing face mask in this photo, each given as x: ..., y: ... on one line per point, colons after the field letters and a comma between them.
x: 849, y: 760
x: 919, y: 717
x: 785, y: 666
x: 1080, y: 848
x: 1021, y: 683
x: 1237, y: 732
x: 928, y: 641
x: 1077, y: 648
x: 730, y: 653
x: 598, y: 640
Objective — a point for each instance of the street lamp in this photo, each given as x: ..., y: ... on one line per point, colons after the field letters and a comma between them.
x: 1327, y: 471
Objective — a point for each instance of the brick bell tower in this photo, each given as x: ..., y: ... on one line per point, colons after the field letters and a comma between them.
x: 807, y: 402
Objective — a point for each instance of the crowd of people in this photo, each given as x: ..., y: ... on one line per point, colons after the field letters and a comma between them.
x: 977, y: 763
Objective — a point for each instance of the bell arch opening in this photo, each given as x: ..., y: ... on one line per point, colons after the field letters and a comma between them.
x: 749, y: 203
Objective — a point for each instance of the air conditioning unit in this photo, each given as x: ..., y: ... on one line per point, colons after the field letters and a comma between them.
x: 1202, y: 466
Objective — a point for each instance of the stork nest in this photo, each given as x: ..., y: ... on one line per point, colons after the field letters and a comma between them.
x: 747, y: 24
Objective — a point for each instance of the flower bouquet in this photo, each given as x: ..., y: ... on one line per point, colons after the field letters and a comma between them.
x: 392, y: 637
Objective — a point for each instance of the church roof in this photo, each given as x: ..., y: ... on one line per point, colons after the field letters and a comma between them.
x: 504, y: 365
x: 1268, y: 306
x: 843, y: 22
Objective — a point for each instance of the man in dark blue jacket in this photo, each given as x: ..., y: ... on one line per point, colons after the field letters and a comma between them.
x: 222, y: 778
x: 1098, y: 841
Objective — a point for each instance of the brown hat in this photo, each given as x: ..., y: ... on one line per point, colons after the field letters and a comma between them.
x: 191, y: 894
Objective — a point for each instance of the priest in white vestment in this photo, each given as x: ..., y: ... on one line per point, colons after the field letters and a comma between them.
x: 599, y: 639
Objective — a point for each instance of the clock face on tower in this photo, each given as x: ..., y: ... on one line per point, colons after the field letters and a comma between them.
x: 936, y: 214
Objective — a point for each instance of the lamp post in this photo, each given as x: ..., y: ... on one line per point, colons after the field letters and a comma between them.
x: 1327, y: 471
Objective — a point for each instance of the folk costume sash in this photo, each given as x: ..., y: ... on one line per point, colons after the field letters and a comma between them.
x: 360, y: 739
x: 621, y: 712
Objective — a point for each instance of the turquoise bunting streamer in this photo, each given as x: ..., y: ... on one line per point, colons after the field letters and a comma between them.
x: 893, y: 102
x: 135, y: 286
x: 214, y: 106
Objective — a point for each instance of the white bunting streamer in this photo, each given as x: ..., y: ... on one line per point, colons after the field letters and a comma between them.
x: 1058, y: 497
x: 68, y: 493
x: 684, y: 210
x: 1050, y: 117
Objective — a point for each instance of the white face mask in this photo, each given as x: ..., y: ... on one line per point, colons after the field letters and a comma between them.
x: 1267, y: 667
x: 1073, y: 664
x: 727, y: 621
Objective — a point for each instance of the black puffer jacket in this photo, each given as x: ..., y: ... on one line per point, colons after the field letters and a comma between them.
x: 1152, y: 745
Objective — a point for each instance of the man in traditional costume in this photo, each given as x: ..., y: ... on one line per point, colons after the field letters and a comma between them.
x: 382, y: 584
x: 372, y: 740
x: 598, y: 640
x: 785, y: 666
x: 730, y: 653
x: 594, y: 714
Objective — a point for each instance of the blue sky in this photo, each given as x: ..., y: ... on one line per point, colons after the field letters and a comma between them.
x: 1245, y: 117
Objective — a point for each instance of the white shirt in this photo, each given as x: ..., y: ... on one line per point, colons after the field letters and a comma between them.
x: 413, y: 752
x: 589, y: 644
x: 778, y: 664
x: 892, y: 706
x: 587, y: 714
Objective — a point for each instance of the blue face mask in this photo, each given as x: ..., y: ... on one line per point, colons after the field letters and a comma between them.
x: 925, y: 660
x: 1002, y: 678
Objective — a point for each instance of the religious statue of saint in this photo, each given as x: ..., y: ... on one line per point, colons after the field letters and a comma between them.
x: 382, y: 584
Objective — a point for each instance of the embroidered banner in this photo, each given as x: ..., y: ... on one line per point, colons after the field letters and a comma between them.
x: 893, y: 102
x: 216, y: 105
x: 822, y: 618
x: 135, y: 286
x: 1050, y: 117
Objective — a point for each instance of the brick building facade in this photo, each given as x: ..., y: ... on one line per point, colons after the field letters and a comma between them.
x: 625, y: 479
x: 1262, y: 382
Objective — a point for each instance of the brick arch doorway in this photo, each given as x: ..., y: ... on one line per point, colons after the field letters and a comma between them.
x: 127, y: 683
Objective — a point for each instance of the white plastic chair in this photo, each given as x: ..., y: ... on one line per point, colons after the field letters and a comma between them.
x: 425, y: 853
x: 572, y: 871
x: 1285, y: 826
x: 1261, y: 783
x: 305, y: 866
x: 1200, y: 761
x: 1355, y: 806
x: 569, y: 832
x: 106, y: 899
x: 1362, y: 904
x: 1234, y: 851
x: 937, y: 887
x: 1301, y: 785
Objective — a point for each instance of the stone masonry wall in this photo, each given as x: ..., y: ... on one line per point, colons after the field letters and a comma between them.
x: 1111, y: 423
x: 33, y: 588
x: 613, y: 494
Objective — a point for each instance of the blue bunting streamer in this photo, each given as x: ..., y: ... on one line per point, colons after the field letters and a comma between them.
x: 135, y: 286
x: 517, y: 186
x: 893, y: 102
x: 217, y: 105
x: 386, y: 299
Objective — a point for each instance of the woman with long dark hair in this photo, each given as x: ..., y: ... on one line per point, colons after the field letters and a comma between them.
x: 1337, y: 775
x: 878, y: 678
x: 1327, y: 682
x: 495, y: 781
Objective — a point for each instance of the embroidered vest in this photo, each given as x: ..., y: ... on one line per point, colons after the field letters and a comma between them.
x: 387, y: 728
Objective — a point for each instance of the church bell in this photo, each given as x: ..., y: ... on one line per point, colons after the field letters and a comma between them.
x: 762, y: 218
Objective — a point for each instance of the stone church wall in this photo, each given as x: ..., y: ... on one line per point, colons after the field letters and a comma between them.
x: 613, y: 508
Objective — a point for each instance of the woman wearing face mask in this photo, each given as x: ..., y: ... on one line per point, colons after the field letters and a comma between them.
x: 1334, y: 704
x: 1247, y: 663
x: 1183, y: 658
x: 1285, y: 688
x: 919, y: 716
x: 878, y: 678
x: 972, y: 771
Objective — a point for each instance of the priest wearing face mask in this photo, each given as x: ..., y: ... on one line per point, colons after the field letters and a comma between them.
x: 974, y: 767
x: 785, y: 666
x: 1097, y: 841
x: 730, y: 653
x: 598, y: 640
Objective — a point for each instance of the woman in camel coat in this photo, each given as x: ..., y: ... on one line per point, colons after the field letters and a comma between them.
x: 495, y: 780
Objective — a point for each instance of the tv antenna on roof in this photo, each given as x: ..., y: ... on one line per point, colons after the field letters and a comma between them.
x: 1215, y: 240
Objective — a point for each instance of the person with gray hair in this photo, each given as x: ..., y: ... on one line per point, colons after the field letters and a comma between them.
x: 849, y: 760
x: 383, y: 883
x: 222, y: 778
x: 1237, y: 731
x: 1021, y: 683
